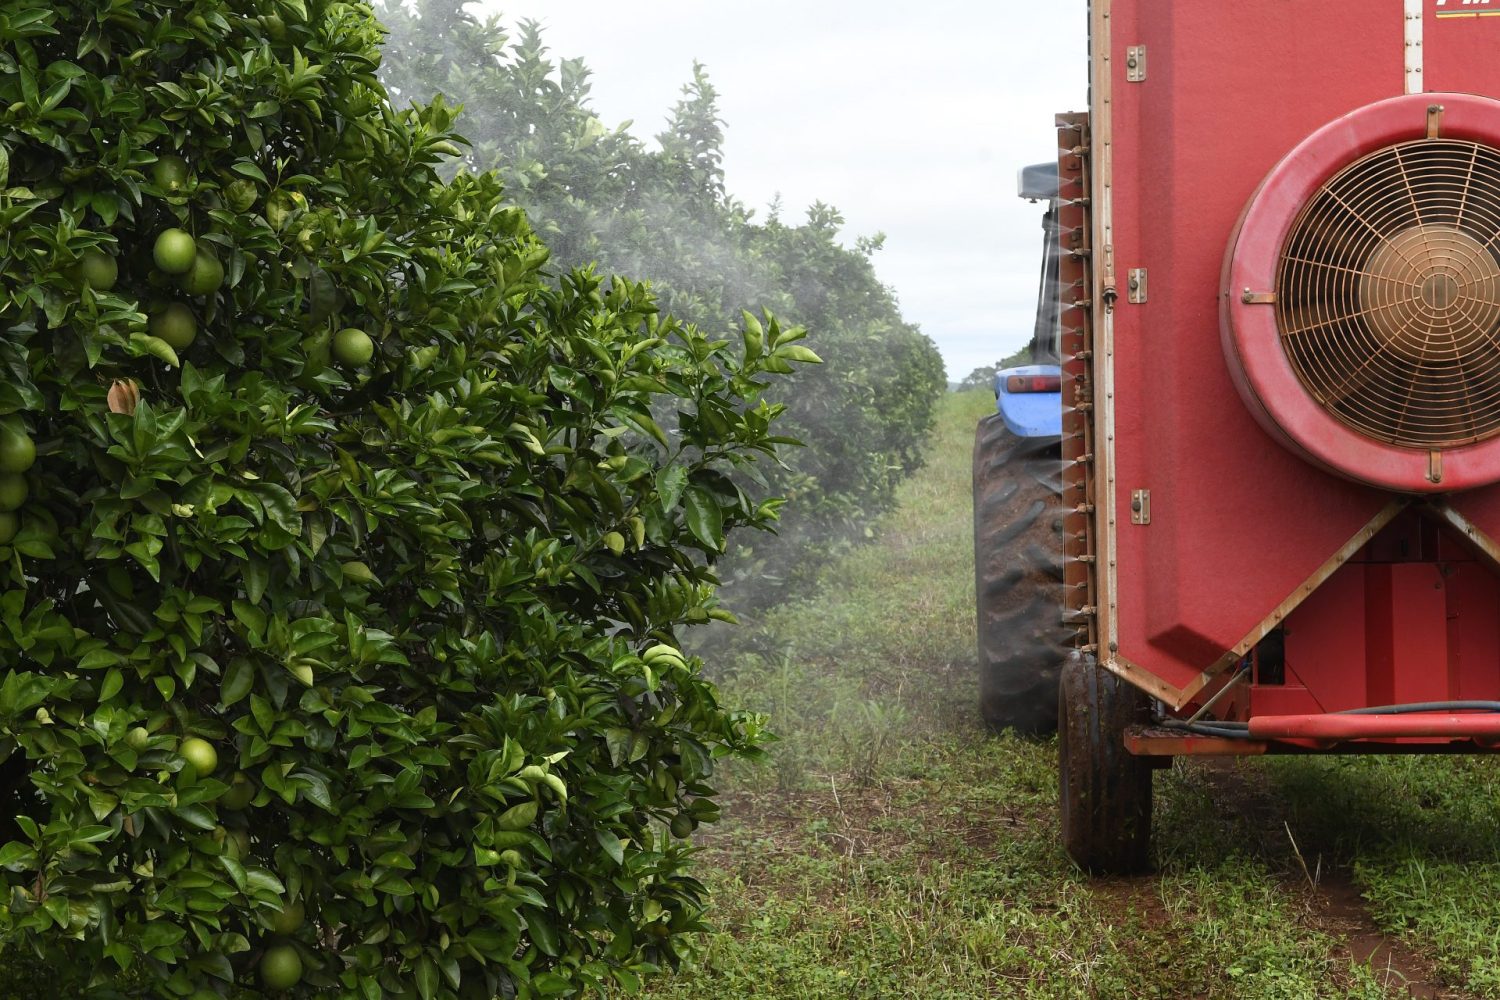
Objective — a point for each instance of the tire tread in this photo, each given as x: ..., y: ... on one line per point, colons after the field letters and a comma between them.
x: 1018, y: 572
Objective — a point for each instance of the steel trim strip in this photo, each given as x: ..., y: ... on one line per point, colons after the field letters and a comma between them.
x: 1414, y: 58
x: 1101, y: 119
x: 1484, y: 543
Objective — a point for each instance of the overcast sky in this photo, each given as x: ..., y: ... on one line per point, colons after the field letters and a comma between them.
x: 911, y: 119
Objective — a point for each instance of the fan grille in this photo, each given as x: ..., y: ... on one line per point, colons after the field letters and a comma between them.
x: 1388, y: 294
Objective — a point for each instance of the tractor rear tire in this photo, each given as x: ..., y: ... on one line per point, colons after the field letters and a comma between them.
x: 1018, y: 575
x: 1105, y: 791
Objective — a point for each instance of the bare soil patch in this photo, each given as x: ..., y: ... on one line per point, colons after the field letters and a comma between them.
x: 1344, y: 912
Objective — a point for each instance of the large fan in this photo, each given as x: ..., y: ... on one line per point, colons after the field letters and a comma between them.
x: 1361, y: 317
x: 1388, y: 294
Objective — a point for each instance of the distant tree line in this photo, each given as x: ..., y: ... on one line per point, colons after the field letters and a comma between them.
x: 983, y: 377
x: 662, y: 214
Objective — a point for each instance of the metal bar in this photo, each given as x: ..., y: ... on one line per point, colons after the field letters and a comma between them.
x: 1229, y: 685
x: 1414, y: 60
x: 1146, y: 742
x: 1334, y: 727
x: 1144, y: 679
x: 1102, y: 170
x: 1482, y: 542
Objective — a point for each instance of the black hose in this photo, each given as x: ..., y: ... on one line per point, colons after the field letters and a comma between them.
x: 1426, y: 706
x: 1233, y: 730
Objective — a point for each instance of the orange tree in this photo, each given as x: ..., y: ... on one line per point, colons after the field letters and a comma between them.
x: 664, y: 213
x: 342, y: 558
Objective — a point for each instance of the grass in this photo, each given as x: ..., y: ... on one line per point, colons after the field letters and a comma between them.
x: 891, y: 848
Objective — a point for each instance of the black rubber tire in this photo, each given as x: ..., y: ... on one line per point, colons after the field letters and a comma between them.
x: 1018, y: 574
x: 1104, y: 790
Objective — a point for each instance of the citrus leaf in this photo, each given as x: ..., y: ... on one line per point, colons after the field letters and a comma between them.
x: 704, y: 518
x: 156, y: 347
x: 239, y: 677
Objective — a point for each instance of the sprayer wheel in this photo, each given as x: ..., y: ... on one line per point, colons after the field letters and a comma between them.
x: 1105, y: 791
x: 1018, y: 574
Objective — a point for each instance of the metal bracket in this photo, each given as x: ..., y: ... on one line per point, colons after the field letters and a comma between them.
x: 1135, y: 284
x: 1135, y: 63
x: 1140, y: 507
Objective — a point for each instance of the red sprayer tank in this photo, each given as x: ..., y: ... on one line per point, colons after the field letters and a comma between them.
x: 1281, y: 225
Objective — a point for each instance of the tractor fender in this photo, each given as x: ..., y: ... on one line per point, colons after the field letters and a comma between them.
x: 1029, y: 414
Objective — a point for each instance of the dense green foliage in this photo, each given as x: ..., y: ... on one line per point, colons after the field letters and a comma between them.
x: 662, y: 214
x: 371, y: 627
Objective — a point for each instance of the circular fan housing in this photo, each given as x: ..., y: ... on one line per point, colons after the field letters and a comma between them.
x: 1361, y: 316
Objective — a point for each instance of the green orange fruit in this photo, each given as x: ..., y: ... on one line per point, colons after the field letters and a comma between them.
x: 17, y: 450
x: 280, y: 967
x: 175, y: 324
x: 201, y: 754
x: 98, y: 270
x: 241, y: 792
x: 290, y: 918
x: 174, y: 251
x: 13, y: 491
x: 138, y: 739
x: 169, y: 173
x: 205, y: 276
x: 353, y: 348
x: 9, y: 525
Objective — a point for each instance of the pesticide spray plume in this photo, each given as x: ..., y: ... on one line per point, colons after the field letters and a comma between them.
x: 662, y: 214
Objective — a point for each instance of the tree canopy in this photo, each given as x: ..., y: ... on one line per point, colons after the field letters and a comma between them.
x: 662, y: 212
x: 344, y: 541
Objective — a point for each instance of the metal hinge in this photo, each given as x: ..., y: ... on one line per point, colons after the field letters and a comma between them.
x: 1135, y: 63
x: 1140, y: 507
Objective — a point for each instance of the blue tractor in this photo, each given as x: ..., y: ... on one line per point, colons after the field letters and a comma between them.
x: 1018, y: 550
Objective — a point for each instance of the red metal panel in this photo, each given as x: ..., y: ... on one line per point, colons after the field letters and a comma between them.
x: 1460, y: 49
x: 1145, y: 742
x: 1229, y: 91
x: 1416, y: 615
x: 1240, y: 522
x: 1459, y: 42
x: 1473, y: 633
x: 1379, y: 628
x: 1326, y: 654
